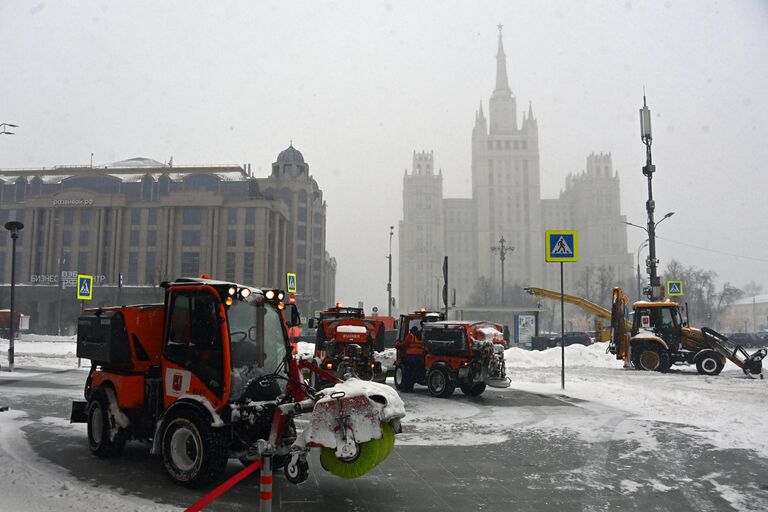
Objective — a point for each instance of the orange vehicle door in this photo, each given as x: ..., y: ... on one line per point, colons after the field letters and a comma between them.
x: 194, y: 350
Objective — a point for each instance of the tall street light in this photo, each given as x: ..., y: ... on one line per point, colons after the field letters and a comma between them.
x: 389, y: 283
x: 4, y: 128
x: 652, y: 261
x: 502, y: 249
x: 14, y: 227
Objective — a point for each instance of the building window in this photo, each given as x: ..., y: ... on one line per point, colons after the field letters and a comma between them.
x: 152, y: 217
x: 301, y: 251
x: 229, y: 271
x: 84, y: 237
x: 68, y: 217
x: 250, y: 237
x: 135, y: 216
x: 315, y: 234
x: 191, y: 216
x: 134, y: 238
x: 149, y: 268
x: 190, y: 263
x: 82, y: 261
x: 303, y: 214
x: 250, y: 215
x: 231, y: 216
x: 107, y: 217
x: 85, y: 217
x: 66, y: 238
x: 301, y: 232
x: 231, y: 237
x: 133, y: 267
x: 248, y: 270
x: 151, y: 238
x: 190, y: 238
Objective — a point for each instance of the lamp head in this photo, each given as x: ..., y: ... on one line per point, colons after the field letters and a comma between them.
x: 14, y: 227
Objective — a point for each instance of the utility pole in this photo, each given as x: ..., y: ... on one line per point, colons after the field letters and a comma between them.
x: 654, y: 291
x: 389, y: 283
x: 502, y: 249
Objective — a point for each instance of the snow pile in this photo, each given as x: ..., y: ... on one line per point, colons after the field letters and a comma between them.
x: 386, y: 358
x: 41, y: 350
x: 593, y: 356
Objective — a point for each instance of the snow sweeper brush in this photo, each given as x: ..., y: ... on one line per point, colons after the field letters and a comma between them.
x: 354, y: 424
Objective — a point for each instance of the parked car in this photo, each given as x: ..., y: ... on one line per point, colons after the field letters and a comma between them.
x: 572, y: 338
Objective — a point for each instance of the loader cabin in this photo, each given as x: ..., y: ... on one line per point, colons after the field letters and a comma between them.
x: 662, y: 317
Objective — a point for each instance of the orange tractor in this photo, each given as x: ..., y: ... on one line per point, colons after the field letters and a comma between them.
x: 345, y: 346
x: 409, y: 361
x: 468, y: 355
x: 208, y: 376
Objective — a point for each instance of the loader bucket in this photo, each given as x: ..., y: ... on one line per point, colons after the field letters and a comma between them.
x: 370, y: 454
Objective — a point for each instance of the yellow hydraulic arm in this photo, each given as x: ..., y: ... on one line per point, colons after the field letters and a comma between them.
x: 581, y: 302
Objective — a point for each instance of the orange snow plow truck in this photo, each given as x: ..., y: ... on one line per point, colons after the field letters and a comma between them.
x: 208, y: 376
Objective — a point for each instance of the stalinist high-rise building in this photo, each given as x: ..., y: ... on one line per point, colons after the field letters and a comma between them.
x: 506, y: 202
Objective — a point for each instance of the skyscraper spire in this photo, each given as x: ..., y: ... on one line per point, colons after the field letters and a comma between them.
x: 502, y: 84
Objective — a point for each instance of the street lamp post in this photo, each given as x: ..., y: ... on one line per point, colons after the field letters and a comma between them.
x: 651, y: 261
x: 14, y: 227
x: 4, y: 128
x: 502, y: 249
x: 389, y: 283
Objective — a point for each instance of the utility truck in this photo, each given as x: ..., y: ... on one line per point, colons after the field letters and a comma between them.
x: 208, y: 375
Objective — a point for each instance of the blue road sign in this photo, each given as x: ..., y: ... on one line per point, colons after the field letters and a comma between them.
x: 290, y: 280
x: 84, y: 287
x: 562, y: 246
x: 674, y: 288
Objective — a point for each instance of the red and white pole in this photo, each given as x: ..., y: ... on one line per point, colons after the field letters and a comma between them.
x: 265, y: 502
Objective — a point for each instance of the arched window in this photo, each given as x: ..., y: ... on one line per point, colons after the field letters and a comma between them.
x: 164, y: 185
x: 303, y: 196
x: 21, y: 189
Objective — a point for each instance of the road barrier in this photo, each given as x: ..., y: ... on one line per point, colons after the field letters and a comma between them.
x: 265, y: 487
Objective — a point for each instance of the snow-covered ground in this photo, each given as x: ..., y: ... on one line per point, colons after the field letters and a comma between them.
x: 726, y: 411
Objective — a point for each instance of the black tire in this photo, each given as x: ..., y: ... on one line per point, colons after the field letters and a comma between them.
x: 101, y: 424
x: 651, y: 358
x: 473, y: 389
x: 401, y: 383
x: 439, y: 382
x: 710, y: 363
x: 297, y: 473
x: 194, y: 453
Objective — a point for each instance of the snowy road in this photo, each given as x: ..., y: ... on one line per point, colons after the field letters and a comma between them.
x: 614, y: 440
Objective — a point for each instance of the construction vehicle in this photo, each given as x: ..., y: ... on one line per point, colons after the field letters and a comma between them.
x: 345, y: 346
x: 208, y: 375
x: 409, y: 360
x: 603, y: 315
x: 468, y: 355
x: 657, y: 337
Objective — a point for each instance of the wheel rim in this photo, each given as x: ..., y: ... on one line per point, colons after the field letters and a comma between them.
x: 398, y: 375
x: 709, y: 364
x: 649, y: 360
x: 97, y: 425
x: 185, y: 448
x: 438, y: 381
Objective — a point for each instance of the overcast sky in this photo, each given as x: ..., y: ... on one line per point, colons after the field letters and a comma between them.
x: 359, y: 85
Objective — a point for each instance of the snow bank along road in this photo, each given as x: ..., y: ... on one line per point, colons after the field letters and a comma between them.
x: 615, y: 439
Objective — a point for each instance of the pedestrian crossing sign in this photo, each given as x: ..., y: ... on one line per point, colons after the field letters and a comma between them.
x: 562, y: 246
x: 674, y: 288
x: 84, y: 287
x: 290, y: 280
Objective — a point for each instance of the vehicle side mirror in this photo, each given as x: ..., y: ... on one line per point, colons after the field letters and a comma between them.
x: 311, y: 323
x: 396, y: 324
x: 295, y: 316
